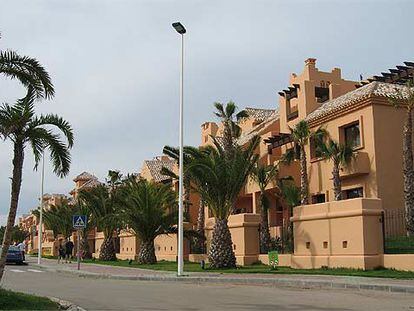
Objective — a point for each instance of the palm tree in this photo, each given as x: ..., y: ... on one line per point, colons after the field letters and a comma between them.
x: 230, y: 121
x: 341, y: 155
x: 149, y: 209
x: 301, y: 134
x: 290, y: 194
x: 219, y: 179
x: 405, y: 98
x: 106, y: 215
x: 83, y: 209
x: 22, y: 127
x: 198, y: 241
x: 263, y: 175
x: 28, y: 71
x: 58, y: 218
x: 114, y: 180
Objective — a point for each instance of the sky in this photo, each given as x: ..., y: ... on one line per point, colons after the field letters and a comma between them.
x: 115, y: 67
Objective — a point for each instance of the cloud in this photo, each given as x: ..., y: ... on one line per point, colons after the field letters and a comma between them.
x: 115, y: 66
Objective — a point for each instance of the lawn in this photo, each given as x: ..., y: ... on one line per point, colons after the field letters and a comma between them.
x: 399, y: 245
x: 260, y: 268
x: 10, y: 300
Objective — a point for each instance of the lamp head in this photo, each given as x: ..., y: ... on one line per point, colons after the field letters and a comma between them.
x: 179, y: 28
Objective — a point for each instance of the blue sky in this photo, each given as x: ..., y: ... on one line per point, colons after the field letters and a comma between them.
x: 115, y: 66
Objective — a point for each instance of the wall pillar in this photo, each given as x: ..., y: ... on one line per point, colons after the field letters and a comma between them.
x: 254, y: 203
x: 338, y: 234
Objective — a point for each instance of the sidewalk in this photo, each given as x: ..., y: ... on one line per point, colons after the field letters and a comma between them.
x: 285, y: 280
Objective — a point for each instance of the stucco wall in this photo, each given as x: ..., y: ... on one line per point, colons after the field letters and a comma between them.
x: 344, y: 233
x: 363, y: 175
x: 244, y: 229
x: 389, y: 158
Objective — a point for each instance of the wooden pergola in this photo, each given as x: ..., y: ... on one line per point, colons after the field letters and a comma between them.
x: 398, y: 75
x: 291, y: 92
x: 277, y: 140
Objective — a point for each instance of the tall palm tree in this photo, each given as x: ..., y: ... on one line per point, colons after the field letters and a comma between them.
x: 230, y: 120
x: 28, y: 71
x: 174, y: 153
x: 114, y: 180
x: 106, y: 215
x: 405, y: 99
x: 263, y: 175
x: 301, y: 134
x: 341, y: 155
x: 23, y: 128
x: 198, y: 239
x: 149, y: 209
x: 219, y: 179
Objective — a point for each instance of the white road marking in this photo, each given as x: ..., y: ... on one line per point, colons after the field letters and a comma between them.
x: 33, y: 270
x: 16, y: 270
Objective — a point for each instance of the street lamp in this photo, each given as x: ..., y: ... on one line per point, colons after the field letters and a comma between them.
x: 181, y: 30
x: 40, y: 235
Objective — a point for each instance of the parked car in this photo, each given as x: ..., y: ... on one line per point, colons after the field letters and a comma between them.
x: 14, y: 255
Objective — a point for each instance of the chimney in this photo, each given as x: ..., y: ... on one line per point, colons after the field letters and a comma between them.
x: 310, y: 62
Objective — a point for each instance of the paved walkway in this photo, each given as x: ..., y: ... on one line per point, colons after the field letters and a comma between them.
x: 130, y: 295
x: 288, y: 280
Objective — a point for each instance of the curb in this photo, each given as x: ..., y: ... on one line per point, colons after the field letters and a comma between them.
x: 355, y: 284
x: 66, y: 305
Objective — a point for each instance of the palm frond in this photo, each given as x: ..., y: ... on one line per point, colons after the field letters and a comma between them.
x: 28, y: 71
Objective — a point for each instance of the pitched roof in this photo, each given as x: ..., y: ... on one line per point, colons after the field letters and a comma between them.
x: 261, y: 114
x: 90, y: 184
x: 155, y: 165
x: 85, y: 176
x: 256, y: 130
x: 375, y: 88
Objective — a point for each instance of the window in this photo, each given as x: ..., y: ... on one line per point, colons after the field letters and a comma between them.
x: 353, y: 193
x: 314, y: 150
x: 352, y: 135
x: 321, y: 94
x: 318, y: 198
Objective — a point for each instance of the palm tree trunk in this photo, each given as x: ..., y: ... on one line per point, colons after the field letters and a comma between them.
x: 15, y: 192
x: 84, y: 246
x: 187, y: 202
x: 337, y: 182
x: 228, y: 139
x: 221, y: 254
x: 147, y: 252
x: 264, y: 225
x: 199, y: 240
x: 408, y: 170
x: 303, y: 177
x: 107, y: 251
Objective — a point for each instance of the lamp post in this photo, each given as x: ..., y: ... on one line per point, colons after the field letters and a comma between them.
x: 181, y: 30
x: 39, y: 254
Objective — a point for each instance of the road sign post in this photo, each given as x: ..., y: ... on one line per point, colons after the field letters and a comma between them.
x: 78, y: 248
x: 79, y: 222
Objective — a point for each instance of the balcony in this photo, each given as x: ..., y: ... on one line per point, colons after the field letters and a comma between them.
x: 293, y: 115
x: 359, y: 166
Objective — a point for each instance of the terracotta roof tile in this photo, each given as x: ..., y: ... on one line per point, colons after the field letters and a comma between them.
x: 157, y: 164
x: 84, y: 176
x: 375, y: 88
x: 261, y: 114
x: 256, y: 130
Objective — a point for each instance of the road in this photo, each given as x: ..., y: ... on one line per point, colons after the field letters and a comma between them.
x: 105, y: 294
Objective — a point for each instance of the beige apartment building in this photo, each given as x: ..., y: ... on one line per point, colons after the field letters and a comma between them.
x: 348, y: 233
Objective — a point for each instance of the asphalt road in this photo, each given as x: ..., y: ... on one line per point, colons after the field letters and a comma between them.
x: 104, y: 294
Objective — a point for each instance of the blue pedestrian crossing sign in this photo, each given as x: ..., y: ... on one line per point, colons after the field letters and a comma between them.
x: 79, y: 221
